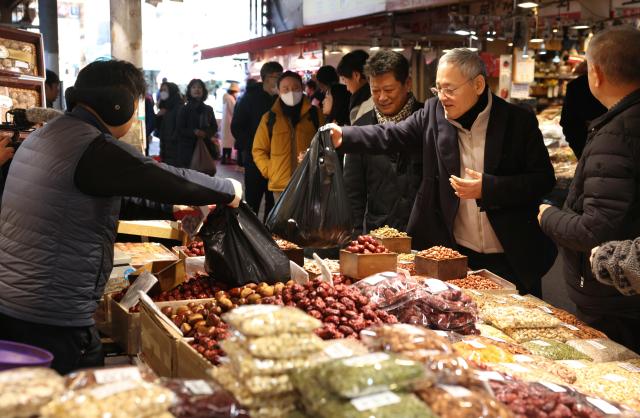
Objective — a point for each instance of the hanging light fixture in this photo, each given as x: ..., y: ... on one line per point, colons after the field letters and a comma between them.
x: 462, y: 32
x: 543, y: 49
x: 556, y: 58
x: 580, y: 26
x: 375, y: 44
x: 334, y: 49
x: 527, y: 4
x: 525, y: 52
x: 417, y: 46
x: 396, y: 45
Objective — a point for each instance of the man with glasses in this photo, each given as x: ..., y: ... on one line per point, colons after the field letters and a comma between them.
x: 485, y: 170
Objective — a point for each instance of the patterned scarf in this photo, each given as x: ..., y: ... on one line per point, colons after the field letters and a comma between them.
x: 404, y: 113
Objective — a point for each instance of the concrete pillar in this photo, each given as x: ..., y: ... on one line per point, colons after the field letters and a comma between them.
x: 48, y: 14
x: 126, y: 30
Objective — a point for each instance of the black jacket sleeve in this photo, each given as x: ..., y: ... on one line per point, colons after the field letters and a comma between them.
x: 387, y: 138
x: 241, y: 122
x: 138, y: 209
x: 355, y: 183
x: 536, y: 179
x: 112, y: 168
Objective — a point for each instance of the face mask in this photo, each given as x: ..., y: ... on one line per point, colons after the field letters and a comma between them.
x: 292, y: 98
x: 164, y: 95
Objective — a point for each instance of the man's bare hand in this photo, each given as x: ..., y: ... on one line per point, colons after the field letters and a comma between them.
x: 542, y: 208
x: 336, y: 134
x: 468, y: 188
x: 6, y: 152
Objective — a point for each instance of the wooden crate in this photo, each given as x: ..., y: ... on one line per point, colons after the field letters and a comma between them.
x: 24, y: 51
x: 454, y: 268
x: 359, y: 266
x: 400, y: 245
x: 125, y: 328
x: 190, y: 364
x: 296, y: 255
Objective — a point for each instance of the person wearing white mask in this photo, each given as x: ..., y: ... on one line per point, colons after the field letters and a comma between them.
x: 284, y: 132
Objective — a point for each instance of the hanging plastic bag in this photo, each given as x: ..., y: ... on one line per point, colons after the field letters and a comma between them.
x: 240, y: 250
x: 202, y: 160
x: 313, y: 210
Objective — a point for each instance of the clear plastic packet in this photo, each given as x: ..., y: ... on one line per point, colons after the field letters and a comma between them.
x: 246, y: 365
x: 24, y: 390
x: 268, y: 385
x: 613, y: 381
x: 379, y: 405
x: 554, y: 350
x: 556, y: 368
x: 224, y: 375
x: 202, y: 399
x: 459, y: 402
x: 503, y: 317
x: 282, y: 346
x: 447, y: 368
x: 522, y: 335
x: 528, y: 372
x: 482, y: 352
x: 342, y: 348
x: 367, y: 374
x: 99, y: 376
x: 118, y: 400
x: 296, y: 413
x: 267, y: 411
x: 388, y: 288
x: 507, y: 345
x: 266, y: 320
x: 404, y: 337
x: 603, y: 350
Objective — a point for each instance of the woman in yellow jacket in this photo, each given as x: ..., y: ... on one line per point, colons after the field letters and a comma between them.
x: 284, y: 132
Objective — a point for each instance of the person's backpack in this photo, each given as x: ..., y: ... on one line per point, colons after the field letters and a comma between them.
x: 313, y: 114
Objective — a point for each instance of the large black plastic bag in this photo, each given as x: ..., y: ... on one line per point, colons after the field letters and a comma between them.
x: 313, y: 210
x: 240, y: 250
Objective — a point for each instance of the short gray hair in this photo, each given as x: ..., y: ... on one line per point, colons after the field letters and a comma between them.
x: 468, y: 61
x: 617, y: 52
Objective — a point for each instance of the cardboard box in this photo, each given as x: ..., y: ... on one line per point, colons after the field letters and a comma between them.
x: 103, y: 315
x: 125, y: 328
x: 454, y: 268
x: 400, y: 245
x: 190, y: 364
x: 359, y: 266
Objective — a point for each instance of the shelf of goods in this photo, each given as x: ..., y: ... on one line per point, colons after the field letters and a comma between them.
x: 403, y: 346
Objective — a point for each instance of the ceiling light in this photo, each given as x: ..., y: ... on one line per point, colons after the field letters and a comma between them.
x: 527, y: 4
x: 473, y: 49
x: 537, y: 40
x: 554, y: 30
x: 580, y: 27
x: 510, y: 44
x: 489, y: 39
x: 525, y: 54
x: 462, y: 32
x: 417, y: 46
x: 473, y: 32
x: 474, y: 37
x: 334, y: 49
x: 375, y: 44
x: 556, y: 59
x: 396, y: 45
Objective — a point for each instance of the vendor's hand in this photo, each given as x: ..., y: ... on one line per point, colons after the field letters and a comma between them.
x: 200, y: 133
x: 336, y: 134
x: 301, y: 156
x: 237, y: 186
x: 593, y: 254
x: 543, y: 207
x: 6, y: 152
x: 468, y: 188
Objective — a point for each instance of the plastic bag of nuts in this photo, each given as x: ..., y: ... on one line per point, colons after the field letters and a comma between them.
x: 503, y: 317
x: 24, y: 390
x: 388, y: 288
x: 247, y: 365
x: 403, y: 337
x: 603, y: 350
x: 522, y: 335
x: 226, y: 377
x: 265, y: 320
x: 474, y: 350
x: 507, y: 346
x: 281, y: 346
x: 554, y: 350
x: 614, y: 381
x: 494, y: 333
x: 459, y: 402
x: 202, y: 399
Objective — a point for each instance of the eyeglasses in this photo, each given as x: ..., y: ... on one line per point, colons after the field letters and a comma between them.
x: 447, y: 91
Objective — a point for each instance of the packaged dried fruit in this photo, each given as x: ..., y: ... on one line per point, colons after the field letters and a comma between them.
x: 503, y: 317
x: 474, y: 350
x: 510, y: 348
x: 224, y: 375
x: 342, y: 348
x: 265, y: 320
x: 99, y: 376
x: 379, y: 405
x: 447, y: 368
x: 388, y: 288
x: 371, y: 373
x: 613, y: 381
x: 282, y: 346
x: 529, y: 372
x: 202, y: 399
x: 603, y: 350
x: 267, y: 411
x: 24, y: 390
x: 404, y: 337
x: 522, y: 335
x: 129, y: 399
x: 459, y: 402
x: 492, y: 332
x: 554, y: 350
x: 246, y: 365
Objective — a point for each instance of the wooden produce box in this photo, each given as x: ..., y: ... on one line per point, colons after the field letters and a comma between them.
x: 508, y: 288
x: 400, y: 245
x: 23, y: 92
x: 190, y: 364
x: 125, y: 328
x: 102, y: 315
x: 153, y: 229
x: 144, y: 253
x: 453, y: 268
x: 296, y: 255
x: 359, y: 266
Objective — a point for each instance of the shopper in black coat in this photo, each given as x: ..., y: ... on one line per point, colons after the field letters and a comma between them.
x: 604, y: 197
x: 516, y: 175
x: 195, y: 122
x: 169, y: 104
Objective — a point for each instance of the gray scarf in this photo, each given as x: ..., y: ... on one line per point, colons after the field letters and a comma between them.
x: 404, y: 113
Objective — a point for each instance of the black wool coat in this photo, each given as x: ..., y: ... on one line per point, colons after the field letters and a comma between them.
x: 517, y: 174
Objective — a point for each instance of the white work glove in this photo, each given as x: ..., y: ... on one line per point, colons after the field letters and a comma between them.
x: 237, y: 187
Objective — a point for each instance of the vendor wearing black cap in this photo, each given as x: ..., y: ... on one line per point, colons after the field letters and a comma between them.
x: 60, y: 210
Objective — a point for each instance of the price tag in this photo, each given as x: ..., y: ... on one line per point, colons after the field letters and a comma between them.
x: 374, y: 280
x: 366, y: 360
x: 442, y: 333
x: 436, y: 286
x: 198, y: 387
x: 604, y: 406
x: 338, y: 350
x: 456, y: 391
x: 522, y: 358
x: 143, y: 284
x: 541, y: 343
x: 486, y: 376
x: 516, y: 367
x: 574, y: 364
x: 117, y: 374
x: 545, y: 309
x: 553, y: 387
x: 110, y: 389
x: 569, y: 326
x: 629, y: 367
x: 615, y: 378
x: 596, y: 345
x: 500, y: 340
x: 476, y: 344
x: 517, y: 297
x: 366, y: 403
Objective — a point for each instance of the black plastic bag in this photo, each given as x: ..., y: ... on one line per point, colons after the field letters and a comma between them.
x: 313, y: 210
x: 240, y: 250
